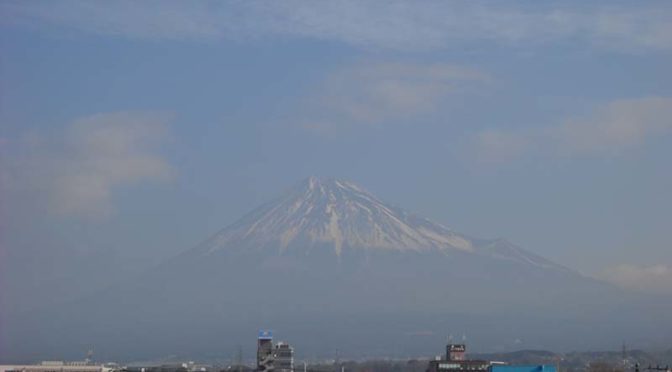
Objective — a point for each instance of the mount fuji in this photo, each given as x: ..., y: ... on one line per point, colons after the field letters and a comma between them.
x: 341, y: 218
x: 330, y: 266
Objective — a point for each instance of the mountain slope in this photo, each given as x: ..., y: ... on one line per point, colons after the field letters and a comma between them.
x: 339, y: 215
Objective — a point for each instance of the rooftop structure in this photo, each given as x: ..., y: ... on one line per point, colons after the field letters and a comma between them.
x: 455, y: 361
x: 455, y: 351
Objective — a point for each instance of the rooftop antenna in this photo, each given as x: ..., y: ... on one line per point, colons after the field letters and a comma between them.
x: 89, y: 356
x: 239, y: 358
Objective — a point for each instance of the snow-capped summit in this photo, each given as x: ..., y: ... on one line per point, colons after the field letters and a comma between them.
x: 339, y: 213
x: 328, y: 213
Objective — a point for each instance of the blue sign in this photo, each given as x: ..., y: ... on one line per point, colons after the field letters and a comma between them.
x: 265, y: 335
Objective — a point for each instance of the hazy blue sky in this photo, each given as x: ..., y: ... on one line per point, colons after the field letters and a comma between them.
x: 135, y: 130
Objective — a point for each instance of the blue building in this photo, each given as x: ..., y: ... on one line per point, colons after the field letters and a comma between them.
x: 523, y: 368
x: 265, y: 351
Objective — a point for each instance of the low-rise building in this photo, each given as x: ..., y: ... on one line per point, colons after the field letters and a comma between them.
x: 283, y: 357
x: 458, y: 366
x: 455, y: 361
x: 523, y: 368
x: 56, y: 366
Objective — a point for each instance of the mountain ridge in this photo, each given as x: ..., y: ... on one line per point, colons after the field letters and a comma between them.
x: 328, y: 212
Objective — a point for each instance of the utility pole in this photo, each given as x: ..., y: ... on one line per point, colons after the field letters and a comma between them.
x: 239, y: 358
x: 557, y: 363
x: 89, y: 356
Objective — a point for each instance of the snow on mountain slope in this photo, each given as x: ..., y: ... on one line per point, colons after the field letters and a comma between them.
x: 341, y: 215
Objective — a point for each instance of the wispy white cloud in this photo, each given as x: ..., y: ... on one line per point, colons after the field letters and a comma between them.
x: 372, y: 93
x: 616, y: 126
x: 396, y: 24
x: 493, y: 146
x: 75, y: 173
x: 608, y: 130
x: 654, y: 279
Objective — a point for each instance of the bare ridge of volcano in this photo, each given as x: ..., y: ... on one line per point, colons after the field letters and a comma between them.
x: 328, y: 213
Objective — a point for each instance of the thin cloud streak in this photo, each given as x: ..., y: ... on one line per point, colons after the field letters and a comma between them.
x: 609, y: 130
x: 616, y: 126
x: 653, y: 279
x: 384, y: 93
x: 399, y: 25
x: 76, y: 172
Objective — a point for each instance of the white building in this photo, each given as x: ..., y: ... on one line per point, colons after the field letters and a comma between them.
x: 283, y: 357
x: 56, y: 366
